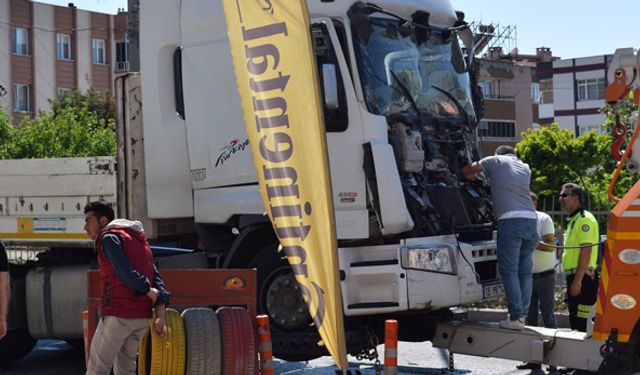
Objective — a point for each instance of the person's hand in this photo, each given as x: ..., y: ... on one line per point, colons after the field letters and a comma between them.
x: 159, y: 322
x: 3, y: 328
x: 159, y: 326
x: 153, y: 295
x: 574, y: 289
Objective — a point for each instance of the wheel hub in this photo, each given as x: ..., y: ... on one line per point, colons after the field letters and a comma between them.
x: 285, y: 304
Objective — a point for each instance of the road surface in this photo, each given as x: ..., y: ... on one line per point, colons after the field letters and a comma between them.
x: 53, y: 357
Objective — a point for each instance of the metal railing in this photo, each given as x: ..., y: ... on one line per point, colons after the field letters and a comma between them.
x: 600, y: 210
x: 122, y: 66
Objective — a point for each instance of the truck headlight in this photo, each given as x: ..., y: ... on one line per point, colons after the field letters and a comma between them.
x: 429, y: 258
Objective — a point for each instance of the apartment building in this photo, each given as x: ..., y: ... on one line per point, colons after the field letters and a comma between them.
x: 47, y: 50
x: 572, y: 92
x: 511, y: 91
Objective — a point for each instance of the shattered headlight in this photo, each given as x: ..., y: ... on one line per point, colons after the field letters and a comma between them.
x: 429, y: 258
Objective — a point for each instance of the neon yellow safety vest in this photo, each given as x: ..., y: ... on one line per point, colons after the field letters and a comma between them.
x: 582, y: 228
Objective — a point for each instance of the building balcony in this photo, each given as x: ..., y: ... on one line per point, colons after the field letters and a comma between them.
x: 122, y: 66
x: 499, y: 97
x: 500, y: 109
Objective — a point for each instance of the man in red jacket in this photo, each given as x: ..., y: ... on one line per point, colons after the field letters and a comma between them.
x: 131, y: 286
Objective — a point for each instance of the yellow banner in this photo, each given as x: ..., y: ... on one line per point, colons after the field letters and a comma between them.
x: 276, y: 73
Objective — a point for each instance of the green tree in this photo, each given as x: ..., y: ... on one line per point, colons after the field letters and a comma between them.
x: 556, y: 157
x: 66, y: 131
x: 6, y: 134
x: 99, y: 102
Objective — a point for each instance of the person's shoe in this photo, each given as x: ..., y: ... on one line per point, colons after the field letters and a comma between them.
x: 516, y: 325
x: 529, y: 366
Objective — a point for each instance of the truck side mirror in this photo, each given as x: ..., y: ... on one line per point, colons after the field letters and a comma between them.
x: 466, y: 35
x: 330, y: 86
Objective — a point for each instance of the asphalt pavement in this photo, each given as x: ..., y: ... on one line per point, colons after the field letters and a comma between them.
x: 53, y: 357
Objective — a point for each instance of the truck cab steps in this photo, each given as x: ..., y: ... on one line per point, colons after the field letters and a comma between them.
x: 372, y: 263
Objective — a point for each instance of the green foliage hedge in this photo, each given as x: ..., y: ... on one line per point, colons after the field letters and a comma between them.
x: 79, y: 124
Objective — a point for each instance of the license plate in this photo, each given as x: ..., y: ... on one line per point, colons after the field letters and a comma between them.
x: 492, y: 291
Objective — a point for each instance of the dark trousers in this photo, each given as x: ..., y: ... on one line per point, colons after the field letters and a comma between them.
x: 543, y: 298
x: 580, y: 305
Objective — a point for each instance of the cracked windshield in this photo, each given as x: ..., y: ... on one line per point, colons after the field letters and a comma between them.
x: 407, y: 68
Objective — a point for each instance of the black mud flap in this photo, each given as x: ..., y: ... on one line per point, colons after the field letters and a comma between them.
x: 620, y: 358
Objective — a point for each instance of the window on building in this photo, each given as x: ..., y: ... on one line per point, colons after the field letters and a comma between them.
x: 62, y: 92
x: 584, y: 129
x: 590, y: 89
x: 98, y: 51
x: 20, y: 41
x: 535, y: 92
x: 546, y: 97
x: 63, y: 47
x: 488, y: 89
x: 497, y: 129
x: 20, y: 98
x: 122, y: 56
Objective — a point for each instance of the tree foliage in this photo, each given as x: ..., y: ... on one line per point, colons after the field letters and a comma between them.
x: 99, y: 102
x: 78, y: 125
x: 556, y: 157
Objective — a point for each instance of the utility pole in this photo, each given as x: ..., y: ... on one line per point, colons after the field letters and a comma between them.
x: 134, y: 35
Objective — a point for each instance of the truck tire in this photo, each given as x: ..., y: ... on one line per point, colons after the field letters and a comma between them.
x: 163, y: 355
x: 15, y: 345
x: 204, y: 341
x: 239, y: 351
x: 144, y: 355
x: 293, y: 335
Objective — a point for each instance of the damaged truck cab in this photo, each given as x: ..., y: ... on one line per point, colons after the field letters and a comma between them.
x: 400, y: 107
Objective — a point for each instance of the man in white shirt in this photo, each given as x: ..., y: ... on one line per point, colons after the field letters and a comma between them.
x: 544, y: 278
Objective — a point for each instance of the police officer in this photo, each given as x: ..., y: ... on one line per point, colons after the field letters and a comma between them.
x: 579, y: 256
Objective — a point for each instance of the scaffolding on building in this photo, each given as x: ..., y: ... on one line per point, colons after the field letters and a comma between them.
x: 493, y: 37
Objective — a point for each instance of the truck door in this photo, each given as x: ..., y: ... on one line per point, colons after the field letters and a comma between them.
x: 219, y: 153
x: 343, y: 126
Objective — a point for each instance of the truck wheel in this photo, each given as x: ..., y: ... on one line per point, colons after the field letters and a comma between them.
x: 144, y: 355
x: 204, y: 342
x: 15, y: 345
x: 279, y: 296
x: 239, y: 351
x: 293, y: 335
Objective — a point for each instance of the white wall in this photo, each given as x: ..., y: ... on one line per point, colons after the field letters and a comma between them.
x: 589, y: 60
x: 590, y: 120
x: 563, y: 63
x: 545, y: 110
x: 83, y: 23
x: 5, y: 52
x: 44, y: 52
x: 566, y: 122
x: 563, y: 91
x: 589, y: 104
x: 591, y: 74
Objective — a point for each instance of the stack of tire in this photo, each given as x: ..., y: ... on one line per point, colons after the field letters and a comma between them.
x: 201, y: 341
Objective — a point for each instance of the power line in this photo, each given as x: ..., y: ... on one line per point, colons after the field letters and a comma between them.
x: 65, y: 29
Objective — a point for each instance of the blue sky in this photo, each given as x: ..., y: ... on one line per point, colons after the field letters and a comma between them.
x: 104, y: 6
x: 571, y: 28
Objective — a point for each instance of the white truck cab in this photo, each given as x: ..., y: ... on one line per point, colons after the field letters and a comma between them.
x: 398, y: 95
